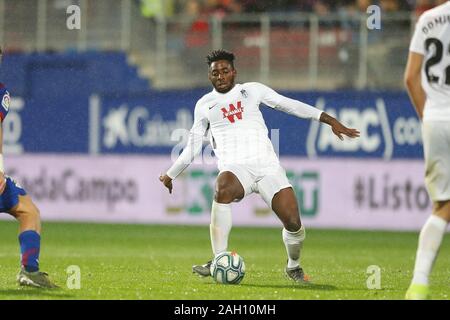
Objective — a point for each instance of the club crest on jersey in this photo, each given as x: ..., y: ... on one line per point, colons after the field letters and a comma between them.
x: 244, y: 93
x: 233, y: 111
x: 6, y: 101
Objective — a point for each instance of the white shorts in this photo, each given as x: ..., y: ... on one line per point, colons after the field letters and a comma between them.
x: 436, y: 145
x: 265, y: 181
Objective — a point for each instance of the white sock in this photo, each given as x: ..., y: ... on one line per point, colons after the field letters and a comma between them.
x: 220, y: 226
x: 293, y: 242
x: 430, y: 239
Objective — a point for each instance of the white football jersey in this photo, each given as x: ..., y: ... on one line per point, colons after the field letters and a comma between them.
x: 238, y: 133
x: 432, y: 40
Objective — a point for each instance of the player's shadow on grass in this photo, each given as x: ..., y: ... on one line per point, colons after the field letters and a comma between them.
x: 311, y: 286
x: 35, y: 293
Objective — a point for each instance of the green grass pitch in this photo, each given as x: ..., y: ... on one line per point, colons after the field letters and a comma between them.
x: 154, y: 262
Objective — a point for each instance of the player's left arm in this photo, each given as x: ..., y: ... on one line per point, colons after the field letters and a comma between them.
x: 338, y: 128
x: 303, y: 110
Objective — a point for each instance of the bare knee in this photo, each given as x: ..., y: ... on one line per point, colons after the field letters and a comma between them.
x: 442, y: 209
x: 31, y: 214
x: 227, y: 189
x: 224, y: 195
x: 292, y: 225
x: 292, y: 221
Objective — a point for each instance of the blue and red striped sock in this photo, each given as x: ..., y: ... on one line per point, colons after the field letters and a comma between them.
x: 30, y: 245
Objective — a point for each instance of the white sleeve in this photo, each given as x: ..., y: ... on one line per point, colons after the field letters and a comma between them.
x: 299, y: 109
x: 194, y: 143
x: 417, y: 44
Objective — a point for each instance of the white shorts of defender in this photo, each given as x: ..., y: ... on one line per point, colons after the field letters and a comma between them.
x: 265, y: 181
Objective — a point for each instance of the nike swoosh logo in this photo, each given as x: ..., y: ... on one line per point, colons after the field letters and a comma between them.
x: 213, y: 106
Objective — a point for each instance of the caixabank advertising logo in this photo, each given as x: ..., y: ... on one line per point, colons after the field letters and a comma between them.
x: 140, y: 127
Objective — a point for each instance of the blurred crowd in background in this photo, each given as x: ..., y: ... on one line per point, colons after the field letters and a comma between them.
x: 320, y: 7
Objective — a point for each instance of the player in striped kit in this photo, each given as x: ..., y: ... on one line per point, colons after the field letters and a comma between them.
x: 246, y: 159
x: 15, y: 201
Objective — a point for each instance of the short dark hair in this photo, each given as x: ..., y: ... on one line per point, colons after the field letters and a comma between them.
x: 220, y: 54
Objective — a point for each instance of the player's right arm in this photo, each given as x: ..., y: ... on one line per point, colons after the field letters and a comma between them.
x: 192, y: 149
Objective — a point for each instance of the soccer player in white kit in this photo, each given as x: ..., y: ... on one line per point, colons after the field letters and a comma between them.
x: 246, y: 158
x: 427, y: 78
